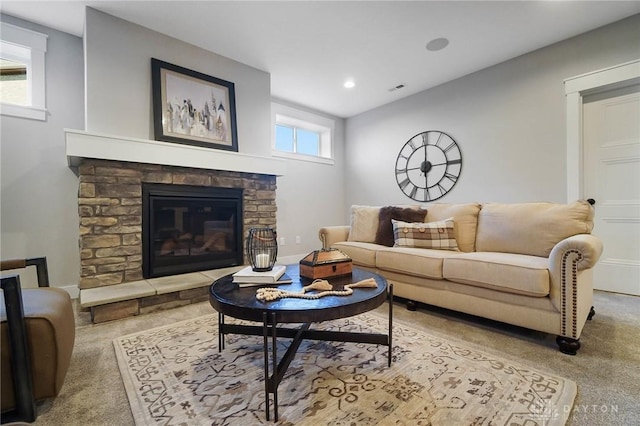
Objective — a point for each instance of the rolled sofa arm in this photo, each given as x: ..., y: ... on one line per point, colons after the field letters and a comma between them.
x: 333, y: 234
x: 570, y: 268
x: 584, y: 249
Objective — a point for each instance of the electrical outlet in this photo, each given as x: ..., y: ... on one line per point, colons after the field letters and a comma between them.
x: 297, y: 239
x: 281, y: 241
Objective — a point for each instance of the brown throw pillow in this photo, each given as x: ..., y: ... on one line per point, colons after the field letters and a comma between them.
x: 384, y: 236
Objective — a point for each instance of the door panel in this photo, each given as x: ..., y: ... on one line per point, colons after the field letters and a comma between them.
x: 611, y: 135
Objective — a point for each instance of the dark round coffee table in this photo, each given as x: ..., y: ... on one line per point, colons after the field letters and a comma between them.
x: 228, y: 298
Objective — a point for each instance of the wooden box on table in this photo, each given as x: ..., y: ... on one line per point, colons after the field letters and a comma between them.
x: 325, y: 264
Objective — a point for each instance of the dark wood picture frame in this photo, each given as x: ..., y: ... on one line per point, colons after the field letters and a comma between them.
x: 193, y: 108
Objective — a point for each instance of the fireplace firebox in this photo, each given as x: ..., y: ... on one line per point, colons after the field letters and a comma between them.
x: 190, y: 228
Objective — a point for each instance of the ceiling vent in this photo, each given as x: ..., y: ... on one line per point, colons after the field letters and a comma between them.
x: 398, y: 87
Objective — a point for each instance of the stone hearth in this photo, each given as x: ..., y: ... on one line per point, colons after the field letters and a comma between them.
x: 110, y: 210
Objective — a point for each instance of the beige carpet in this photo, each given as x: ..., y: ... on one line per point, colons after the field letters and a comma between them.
x: 175, y: 375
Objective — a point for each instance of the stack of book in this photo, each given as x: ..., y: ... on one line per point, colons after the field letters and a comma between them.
x: 248, y: 277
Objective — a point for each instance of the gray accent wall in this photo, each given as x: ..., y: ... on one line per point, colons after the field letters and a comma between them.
x: 39, y: 205
x: 509, y: 121
x: 118, y: 81
x: 119, y: 93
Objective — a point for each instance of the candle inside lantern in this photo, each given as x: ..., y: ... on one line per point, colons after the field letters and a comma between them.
x: 261, y: 248
x: 262, y: 260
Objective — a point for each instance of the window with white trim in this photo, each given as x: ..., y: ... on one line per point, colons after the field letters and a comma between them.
x: 22, y: 72
x: 302, y: 135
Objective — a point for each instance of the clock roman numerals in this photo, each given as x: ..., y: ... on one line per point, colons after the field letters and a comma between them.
x: 426, y: 171
x: 405, y: 183
x: 452, y: 178
x: 448, y: 147
x: 413, y: 193
x: 439, y: 138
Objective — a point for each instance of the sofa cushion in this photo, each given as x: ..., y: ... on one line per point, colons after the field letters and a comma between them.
x: 363, y: 254
x: 531, y: 228
x: 465, y: 217
x: 384, y: 234
x: 434, y: 235
x: 512, y: 273
x: 418, y: 262
x: 364, y: 224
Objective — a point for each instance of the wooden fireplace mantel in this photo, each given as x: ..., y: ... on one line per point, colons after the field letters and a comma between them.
x: 81, y: 144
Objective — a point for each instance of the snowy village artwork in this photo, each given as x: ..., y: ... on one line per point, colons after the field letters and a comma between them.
x: 193, y: 108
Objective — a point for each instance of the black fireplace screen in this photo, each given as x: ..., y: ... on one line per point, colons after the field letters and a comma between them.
x: 188, y: 229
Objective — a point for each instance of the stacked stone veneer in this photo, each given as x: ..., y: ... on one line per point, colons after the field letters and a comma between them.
x: 110, y: 210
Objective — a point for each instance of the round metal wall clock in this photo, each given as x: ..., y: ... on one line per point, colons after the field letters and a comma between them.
x: 428, y: 165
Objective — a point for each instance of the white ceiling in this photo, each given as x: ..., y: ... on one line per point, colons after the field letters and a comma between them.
x: 311, y: 47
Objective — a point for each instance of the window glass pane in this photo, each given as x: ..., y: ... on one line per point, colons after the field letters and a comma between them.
x: 13, y: 82
x: 308, y: 142
x: 284, y: 138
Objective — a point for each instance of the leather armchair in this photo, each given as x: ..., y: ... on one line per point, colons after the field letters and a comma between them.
x: 37, y: 334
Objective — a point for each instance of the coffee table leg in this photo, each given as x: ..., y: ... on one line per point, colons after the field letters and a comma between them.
x: 220, y: 333
x: 274, y: 348
x: 390, y: 301
x: 265, y: 348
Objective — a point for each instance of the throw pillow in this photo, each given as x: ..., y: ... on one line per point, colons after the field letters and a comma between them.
x: 364, y: 223
x: 433, y: 235
x: 384, y: 236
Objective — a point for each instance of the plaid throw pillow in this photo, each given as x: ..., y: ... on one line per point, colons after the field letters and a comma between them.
x: 433, y: 235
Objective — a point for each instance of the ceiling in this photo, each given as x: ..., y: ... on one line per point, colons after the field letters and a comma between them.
x: 311, y: 48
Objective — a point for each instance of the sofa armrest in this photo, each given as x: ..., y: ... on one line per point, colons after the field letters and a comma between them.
x: 570, y: 268
x: 584, y: 249
x: 333, y: 234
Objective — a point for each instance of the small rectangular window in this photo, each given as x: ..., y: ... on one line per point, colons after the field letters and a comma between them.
x: 13, y: 82
x: 307, y: 142
x: 22, y: 72
x: 302, y: 135
x: 284, y: 138
x: 297, y: 140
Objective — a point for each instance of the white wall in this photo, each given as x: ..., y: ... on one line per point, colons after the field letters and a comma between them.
x: 509, y: 121
x: 39, y: 207
x: 118, y: 86
x: 311, y: 195
x: 39, y: 191
x: 118, y: 81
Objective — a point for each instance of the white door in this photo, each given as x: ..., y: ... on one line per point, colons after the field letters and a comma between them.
x: 611, y: 135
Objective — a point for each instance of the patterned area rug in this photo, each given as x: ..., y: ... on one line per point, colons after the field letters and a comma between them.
x: 174, y: 375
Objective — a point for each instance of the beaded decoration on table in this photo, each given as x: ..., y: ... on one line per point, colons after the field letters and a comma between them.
x: 268, y: 294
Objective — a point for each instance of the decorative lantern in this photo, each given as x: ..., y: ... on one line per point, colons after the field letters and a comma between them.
x: 262, y: 249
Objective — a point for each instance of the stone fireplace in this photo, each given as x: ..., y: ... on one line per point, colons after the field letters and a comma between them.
x: 110, y: 206
x: 113, y: 174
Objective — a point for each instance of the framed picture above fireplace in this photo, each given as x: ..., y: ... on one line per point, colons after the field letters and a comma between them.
x: 193, y: 108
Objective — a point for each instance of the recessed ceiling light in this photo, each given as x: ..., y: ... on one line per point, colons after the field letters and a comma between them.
x: 349, y: 84
x: 437, y: 44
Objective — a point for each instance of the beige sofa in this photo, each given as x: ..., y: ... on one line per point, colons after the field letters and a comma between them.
x: 527, y: 264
